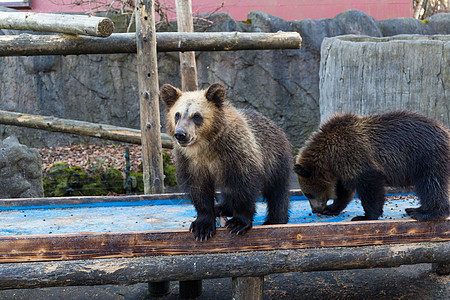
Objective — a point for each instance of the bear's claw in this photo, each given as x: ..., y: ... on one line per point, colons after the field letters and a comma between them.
x: 238, y: 226
x: 203, y: 229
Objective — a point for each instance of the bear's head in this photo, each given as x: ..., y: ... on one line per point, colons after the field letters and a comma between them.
x: 317, y: 185
x: 193, y: 116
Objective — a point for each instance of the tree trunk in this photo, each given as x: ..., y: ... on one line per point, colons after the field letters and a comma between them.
x: 374, y: 75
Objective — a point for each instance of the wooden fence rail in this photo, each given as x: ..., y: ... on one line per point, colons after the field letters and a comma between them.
x: 27, y: 44
x: 102, y: 131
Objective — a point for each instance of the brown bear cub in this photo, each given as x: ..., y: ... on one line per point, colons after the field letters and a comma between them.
x: 240, y: 152
x: 365, y: 153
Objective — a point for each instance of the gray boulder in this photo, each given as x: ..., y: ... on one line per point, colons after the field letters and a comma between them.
x: 439, y: 23
x: 398, y: 26
x: 20, y: 170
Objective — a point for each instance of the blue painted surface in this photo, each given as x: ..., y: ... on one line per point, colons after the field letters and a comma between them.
x: 154, y: 215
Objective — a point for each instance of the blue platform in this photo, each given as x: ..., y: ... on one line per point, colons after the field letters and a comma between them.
x: 155, y: 215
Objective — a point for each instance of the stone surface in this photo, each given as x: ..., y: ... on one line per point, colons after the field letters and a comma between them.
x: 20, y: 170
x: 281, y: 84
x: 373, y: 75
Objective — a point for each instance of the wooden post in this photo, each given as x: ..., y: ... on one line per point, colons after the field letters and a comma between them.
x: 188, y: 68
x: 188, y: 71
x: 147, y: 70
x: 248, y: 288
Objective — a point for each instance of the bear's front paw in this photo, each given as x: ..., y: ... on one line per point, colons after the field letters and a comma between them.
x: 239, y: 225
x: 331, y: 210
x: 363, y: 218
x: 203, y: 229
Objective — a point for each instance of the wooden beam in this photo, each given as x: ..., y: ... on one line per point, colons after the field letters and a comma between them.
x: 61, y: 23
x: 26, y: 44
x: 221, y: 265
x: 248, y: 288
x: 188, y: 67
x: 180, y: 242
x: 147, y: 70
x: 102, y: 131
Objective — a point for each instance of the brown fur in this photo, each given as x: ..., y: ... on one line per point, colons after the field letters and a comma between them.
x: 239, y: 152
x: 363, y: 154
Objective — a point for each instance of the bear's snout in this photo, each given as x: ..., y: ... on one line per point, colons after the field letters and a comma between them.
x: 180, y: 135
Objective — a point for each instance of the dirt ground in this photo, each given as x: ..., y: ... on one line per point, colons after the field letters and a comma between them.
x: 405, y: 282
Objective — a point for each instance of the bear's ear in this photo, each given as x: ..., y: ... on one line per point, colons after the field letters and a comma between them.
x: 169, y: 94
x: 304, y: 170
x: 216, y: 94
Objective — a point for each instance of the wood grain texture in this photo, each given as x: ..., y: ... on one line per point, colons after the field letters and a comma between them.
x: 221, y: 265
x: 27, y: 44
x: 180, y: 242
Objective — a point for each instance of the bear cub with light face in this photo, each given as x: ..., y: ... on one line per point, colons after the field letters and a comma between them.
x: 239, y: 152
x: 363, y: 154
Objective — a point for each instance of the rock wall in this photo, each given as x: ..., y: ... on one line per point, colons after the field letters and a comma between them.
x: 20, y: 170
x: 281, y: 84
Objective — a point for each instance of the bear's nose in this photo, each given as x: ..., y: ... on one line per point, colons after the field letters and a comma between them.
x: 180, y: 135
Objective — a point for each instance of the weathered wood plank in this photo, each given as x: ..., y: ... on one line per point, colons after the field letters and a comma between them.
x: 102, y: 131
x: 147, y: 70
x: 202, y: 266
x: 61, y: 23
x: 180, y: 242
x: 26, y: 44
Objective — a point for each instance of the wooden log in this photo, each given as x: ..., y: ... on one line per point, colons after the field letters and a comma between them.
x: 247, y: 288
x: 220, y: 265
x: 147, y: 70
x: 188, y: 67
x: 26, y: 44
x: 46, y: 247
x: 61, y: 23
x: 102, y: 131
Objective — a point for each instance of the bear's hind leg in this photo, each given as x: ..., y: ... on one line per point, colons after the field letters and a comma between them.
x: 434, y: 199
x: 244, y: 207
x: 370, y: 188
x: 277, y: 197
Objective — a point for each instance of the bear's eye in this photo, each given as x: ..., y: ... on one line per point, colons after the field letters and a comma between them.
x: 197, y: 118
x: 177, y: 117
x: 308, y: 195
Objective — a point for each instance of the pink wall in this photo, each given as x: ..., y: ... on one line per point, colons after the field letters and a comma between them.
x: 286, y: 9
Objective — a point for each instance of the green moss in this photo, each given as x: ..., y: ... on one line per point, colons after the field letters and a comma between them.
x: 95, y: 187
x: 114, y: 181
x: 55, y: 179
x: 139, y: 182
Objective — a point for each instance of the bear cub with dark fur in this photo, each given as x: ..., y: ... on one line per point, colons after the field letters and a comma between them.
x: 240, y: 152
x: 366, y: 153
